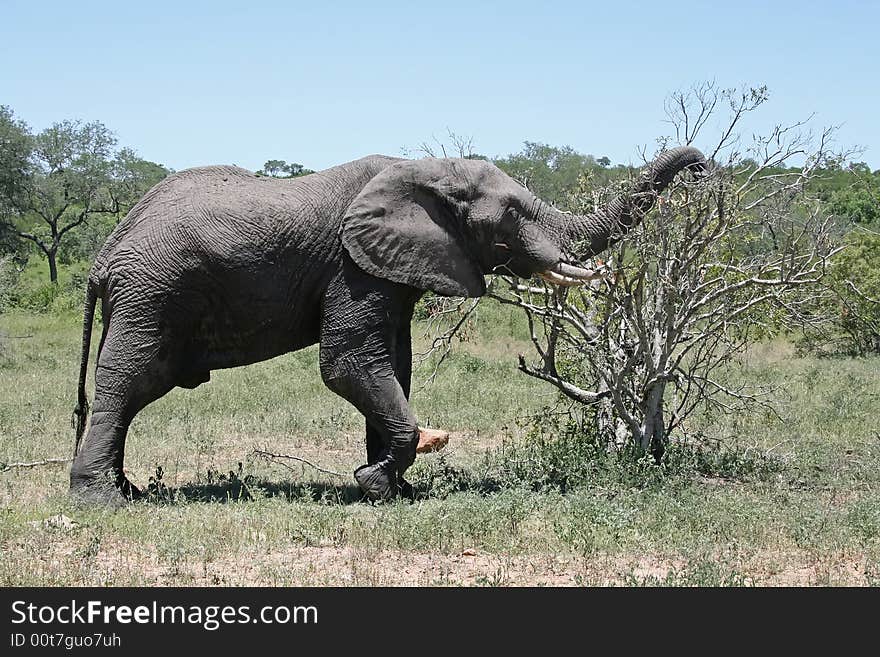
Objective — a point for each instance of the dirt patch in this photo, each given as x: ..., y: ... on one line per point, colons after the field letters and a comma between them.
x: 350, y: 566
x: 71, y: 558
x: 341, y: 566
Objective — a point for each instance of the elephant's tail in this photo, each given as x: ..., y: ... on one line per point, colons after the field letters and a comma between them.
x: 81, y: 412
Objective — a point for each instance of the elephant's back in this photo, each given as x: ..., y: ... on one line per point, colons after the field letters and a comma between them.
x: 176, y: 201
x: 217, y: 250
x: 235, y: 261
x: 204, y: 216
x: 228, y: 214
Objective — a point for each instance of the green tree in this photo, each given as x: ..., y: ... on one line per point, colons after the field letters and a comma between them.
x: 53, y: 182
x: 274, y: 168
x: 851, y: 312
x: 16, y: 145
x: 553, y: 172
x: 281, y: 169
x: 294, y: 170
x: 130, y: 177
x: 857, y: 197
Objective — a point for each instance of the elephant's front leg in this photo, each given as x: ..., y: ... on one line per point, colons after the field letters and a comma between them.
x: 372, y: 387
x: 365, y: 358
x: 402, y: 363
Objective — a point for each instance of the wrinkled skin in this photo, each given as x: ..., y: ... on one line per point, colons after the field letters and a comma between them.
x: 217, y: 268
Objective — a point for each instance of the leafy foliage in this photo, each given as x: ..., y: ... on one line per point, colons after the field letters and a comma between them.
x: 8, y: 280
x: 853, y: 194
x: 16, y: 145
x: 850, y: 313
x: 281, y: 169
x: 855, y: 279
x: 52, y: 183
x: 563, y: 453
x: 552, y: 172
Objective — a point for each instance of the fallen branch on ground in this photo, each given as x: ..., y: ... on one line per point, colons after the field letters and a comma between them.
x: 271, y: 457
x: 4, y: 467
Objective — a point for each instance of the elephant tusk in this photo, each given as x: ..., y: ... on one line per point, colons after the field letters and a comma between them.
x: 557, y: 279
x: 566, y: 275
x: 578, y: 273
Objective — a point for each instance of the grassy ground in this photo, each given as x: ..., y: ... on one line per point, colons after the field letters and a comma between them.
x: 781, y: 503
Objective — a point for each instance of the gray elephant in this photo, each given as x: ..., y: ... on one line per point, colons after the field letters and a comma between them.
x: 216, y: 267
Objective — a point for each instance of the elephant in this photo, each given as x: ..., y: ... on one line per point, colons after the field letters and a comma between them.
x: 216, y: 267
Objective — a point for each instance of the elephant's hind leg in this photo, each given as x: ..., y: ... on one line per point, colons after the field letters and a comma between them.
x: 129, y: 375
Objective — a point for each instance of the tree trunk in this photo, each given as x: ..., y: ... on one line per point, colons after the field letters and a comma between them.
x: 653, y: 429
x: 53, y: 267
x: 611, y: 427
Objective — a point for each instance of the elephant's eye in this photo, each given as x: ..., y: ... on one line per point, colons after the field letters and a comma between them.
x: 510, y: 217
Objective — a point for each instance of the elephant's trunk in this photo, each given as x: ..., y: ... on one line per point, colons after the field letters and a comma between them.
x: 599, y: 230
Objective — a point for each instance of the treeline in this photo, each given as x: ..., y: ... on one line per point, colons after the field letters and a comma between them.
x: 64, y: 189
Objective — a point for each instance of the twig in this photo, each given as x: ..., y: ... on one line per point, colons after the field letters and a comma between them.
x: 444, y: 340
x: 275, y: 458
x: 859, y: 293
x: 4, y: 467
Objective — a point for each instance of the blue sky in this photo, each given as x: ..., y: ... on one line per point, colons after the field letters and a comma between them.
x: 193, y: 83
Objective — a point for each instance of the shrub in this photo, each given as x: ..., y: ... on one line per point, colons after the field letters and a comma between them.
x: 566, y: 452
x: 855, y: 280
x: 563, y: 453
x: 28, y: 290
x: 851, y: 310
x: 9, y: 275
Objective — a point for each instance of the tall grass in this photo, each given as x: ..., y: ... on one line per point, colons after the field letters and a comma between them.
x: 523, y: 494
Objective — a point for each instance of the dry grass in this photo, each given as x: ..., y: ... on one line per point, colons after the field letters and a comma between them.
x: 219, y: 518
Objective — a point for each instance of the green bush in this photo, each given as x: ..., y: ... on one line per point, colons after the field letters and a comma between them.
x: 853, y: 306
x: 859, y: 314
x: 9, y: 275
x: 564, y: 453
x: 561, y: 454
x: 857, y: 195
x: 31, y: 290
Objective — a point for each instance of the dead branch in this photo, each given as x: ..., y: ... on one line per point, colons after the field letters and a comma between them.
x: 443, y: 342
x: 5, y: 467
x: 278, y: 459
x: 569, y: 389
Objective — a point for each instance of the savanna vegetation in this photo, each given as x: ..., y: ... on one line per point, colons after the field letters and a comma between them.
x: 248, y: 478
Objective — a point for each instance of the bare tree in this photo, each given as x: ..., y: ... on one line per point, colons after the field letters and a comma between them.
x: 454, y: 145
x: 719, y: 261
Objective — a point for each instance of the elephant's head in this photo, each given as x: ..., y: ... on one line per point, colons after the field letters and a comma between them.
x: 441, y: 224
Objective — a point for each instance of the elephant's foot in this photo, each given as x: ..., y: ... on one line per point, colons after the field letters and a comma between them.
x: 111, y: 492
x: 431, y: 440
x: 405, y: 489
x: 380, y: 483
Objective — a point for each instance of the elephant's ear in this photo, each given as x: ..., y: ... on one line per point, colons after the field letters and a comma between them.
x: 407, y: 226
